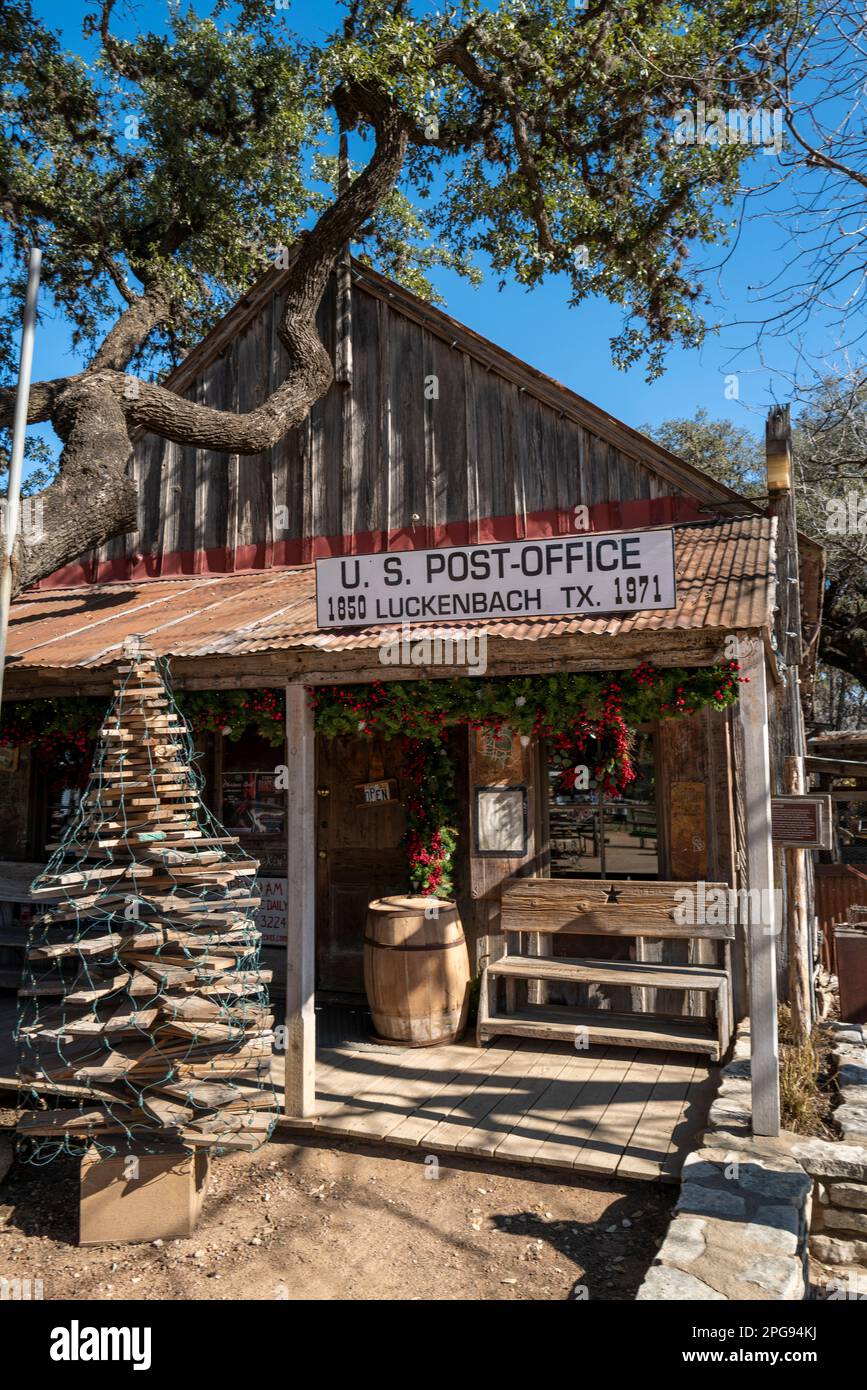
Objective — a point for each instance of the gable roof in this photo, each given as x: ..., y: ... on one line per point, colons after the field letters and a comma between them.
x: 546, y: 389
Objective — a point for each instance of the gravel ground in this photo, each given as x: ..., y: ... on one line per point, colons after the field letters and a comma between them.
x: 313, y: 1221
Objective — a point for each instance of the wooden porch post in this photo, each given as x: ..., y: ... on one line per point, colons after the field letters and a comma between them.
x: 760, y: 934
x: 300, y: 1093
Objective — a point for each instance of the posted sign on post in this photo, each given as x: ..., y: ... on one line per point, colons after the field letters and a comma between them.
x: 801, y: 821
x: 612, y: 572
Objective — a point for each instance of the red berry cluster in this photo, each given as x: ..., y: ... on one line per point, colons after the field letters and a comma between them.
x: 428, y: 844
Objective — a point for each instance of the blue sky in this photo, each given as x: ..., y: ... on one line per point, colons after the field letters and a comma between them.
x: 569, y: 344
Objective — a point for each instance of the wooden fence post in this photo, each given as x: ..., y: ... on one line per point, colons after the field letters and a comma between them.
x: 761, y: 921
x: 300, y: 1087
x: 797, y: 920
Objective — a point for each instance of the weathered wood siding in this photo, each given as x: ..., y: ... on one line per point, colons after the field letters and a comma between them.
x: 695, y: 797
x: 429, y: 444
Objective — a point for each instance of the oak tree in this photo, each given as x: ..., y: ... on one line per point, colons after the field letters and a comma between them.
x: 829, y: 446
x: 159, y: 173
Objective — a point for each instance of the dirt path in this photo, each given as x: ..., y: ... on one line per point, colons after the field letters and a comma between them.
x: 302, y: 1221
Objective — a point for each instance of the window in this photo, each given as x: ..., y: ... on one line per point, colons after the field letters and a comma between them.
x: 58, y: 783
x: 592, y: 836
x: 250, y: 804
x: 245, y: 798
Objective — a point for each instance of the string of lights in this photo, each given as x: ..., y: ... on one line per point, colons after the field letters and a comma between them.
x: 144, y: 1017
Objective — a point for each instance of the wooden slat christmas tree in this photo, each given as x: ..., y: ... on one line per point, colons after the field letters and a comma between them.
x: 144, y: 986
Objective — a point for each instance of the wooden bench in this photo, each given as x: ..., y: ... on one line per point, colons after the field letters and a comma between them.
x: 532, y: 909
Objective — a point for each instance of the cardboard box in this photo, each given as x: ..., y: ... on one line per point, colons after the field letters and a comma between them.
x: 138, y: 1195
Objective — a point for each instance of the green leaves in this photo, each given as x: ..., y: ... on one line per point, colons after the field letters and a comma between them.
x: 421, y: 710
x: 153, y: 163
x: 541, y: 144
x: 222, y: 712
x: 726, y: 451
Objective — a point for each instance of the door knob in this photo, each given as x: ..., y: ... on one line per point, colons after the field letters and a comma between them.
x: 323, y: 791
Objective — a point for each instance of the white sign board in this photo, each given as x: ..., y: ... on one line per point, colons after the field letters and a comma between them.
x: 271, y: 914
x: 611, y: 572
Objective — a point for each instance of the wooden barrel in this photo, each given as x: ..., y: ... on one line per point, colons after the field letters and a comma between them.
x: 416, y: 971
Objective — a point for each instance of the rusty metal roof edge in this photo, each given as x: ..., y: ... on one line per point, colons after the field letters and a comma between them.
x: 718, y: 596
x: 297, y: 644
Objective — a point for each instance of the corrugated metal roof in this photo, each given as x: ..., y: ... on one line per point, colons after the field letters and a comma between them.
x: 725, y: 580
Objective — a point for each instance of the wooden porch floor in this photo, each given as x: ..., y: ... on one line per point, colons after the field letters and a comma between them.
x: 608, y: 1111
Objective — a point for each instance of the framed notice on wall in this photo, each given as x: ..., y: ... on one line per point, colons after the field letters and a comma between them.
x: 501, y: 821
x: 801, y: 822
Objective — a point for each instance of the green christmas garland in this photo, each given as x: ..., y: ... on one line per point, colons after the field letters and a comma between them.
x: 589, y: 717
x: 69, y: 726
x: 431, y: 810
x: 233, y: 712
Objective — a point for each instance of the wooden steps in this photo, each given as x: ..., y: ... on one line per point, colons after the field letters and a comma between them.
x: 546, y: 1022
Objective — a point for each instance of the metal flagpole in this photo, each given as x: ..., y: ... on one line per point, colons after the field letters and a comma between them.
x: 19, y: 429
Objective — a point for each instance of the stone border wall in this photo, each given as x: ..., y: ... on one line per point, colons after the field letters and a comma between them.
x: 741, y: 1224
x: 838, y: 1234
x: 746, y: 1212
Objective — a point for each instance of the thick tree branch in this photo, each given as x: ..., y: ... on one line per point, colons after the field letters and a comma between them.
x: 131, y: 330
x: 97, y: 413
x: 94, y: 498
x: 310, y: 370
x: 40, y: 405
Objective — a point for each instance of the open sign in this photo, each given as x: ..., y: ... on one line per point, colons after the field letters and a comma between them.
x: 376, y: 793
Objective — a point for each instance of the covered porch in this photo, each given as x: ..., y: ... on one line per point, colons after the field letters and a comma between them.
x: 606, y: 1111
x: 621, y: 1110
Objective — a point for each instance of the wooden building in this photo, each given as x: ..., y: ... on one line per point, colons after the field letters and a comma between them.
x: 433, y: 437
x: 837, y: 763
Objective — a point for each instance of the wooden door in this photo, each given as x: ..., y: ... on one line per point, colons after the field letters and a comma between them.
x: 359, y: 854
